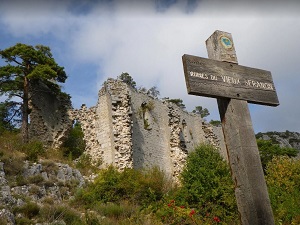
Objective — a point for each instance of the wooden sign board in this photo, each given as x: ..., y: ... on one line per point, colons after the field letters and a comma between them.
x: 211, y: 78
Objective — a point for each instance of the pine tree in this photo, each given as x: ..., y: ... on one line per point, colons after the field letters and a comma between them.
x: 26, y: 65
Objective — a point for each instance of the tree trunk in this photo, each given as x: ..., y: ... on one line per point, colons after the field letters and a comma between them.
x: 25, y: 136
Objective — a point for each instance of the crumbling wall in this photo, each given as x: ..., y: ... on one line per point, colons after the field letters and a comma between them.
x: 126, y: 128
x: 88, y: 120
x: 121, y: 123
x: 129, y: 129
x: 107, y: 127
x: 49, y: 120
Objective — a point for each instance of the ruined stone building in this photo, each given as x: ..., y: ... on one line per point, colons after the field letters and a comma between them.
x: 126, y: 128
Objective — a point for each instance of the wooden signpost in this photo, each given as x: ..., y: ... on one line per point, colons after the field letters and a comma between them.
x: 233, y: 86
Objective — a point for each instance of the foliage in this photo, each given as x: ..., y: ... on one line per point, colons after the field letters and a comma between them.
x: 268, y: 150
x: 33, y: 149
x: 283, y: 181
x: 111, y: 185
x: 216, y: 123
x: 8, y: 122
x: 74, y: 146
x: 153, y: 92
x: 52, y: 213
x: 126, y: 78
x: 146, y: 106
x: 178, y: 102
x: 203, y: 112
x: 142, y: 113
x: 26, y: 66
x: 86, y: 165
x: 172, y: 213
x: 207, y: 183
x: 29, y: 210
x: 11, y: 155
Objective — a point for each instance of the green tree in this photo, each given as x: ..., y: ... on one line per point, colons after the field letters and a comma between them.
x: 7, y: 116
x: 267, y: 150
x: 26, y: 65
x: 203, y: 112
x: 126, y: 78
x: 215, y: 122
x: 153, y: 92
x: 178, y: 102
x: 207, y: 183
x: 74, y: 146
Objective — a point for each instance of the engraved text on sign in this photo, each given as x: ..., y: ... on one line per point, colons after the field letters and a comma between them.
x: 212, y: 78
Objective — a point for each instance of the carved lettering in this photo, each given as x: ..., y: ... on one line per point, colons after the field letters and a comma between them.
x: 230, y: 80
x: 257, y: 84
x: 212, y: 77
x: 201, y: 75
x: 234, y: 80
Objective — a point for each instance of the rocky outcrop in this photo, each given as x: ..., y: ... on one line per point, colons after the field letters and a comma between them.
x: 284, y: 139
x: 39, y: 182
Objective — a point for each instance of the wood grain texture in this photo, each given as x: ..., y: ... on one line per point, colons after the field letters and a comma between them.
x: 250, y: 187
x: 211, y: 78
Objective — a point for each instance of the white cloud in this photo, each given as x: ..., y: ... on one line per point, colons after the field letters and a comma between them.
x: 132, y: 36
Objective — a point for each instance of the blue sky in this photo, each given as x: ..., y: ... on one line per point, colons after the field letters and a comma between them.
x: 95, y: 40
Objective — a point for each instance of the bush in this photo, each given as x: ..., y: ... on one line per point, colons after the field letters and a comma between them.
x: 29, y: 210
x: 64, y: 213
x: 207, y: 184
x: 143, y: 187
x: 74, y: 146
x: 267, y: 150
x: 283, y: 181
x: 11, y: 156
x: 33, y: 149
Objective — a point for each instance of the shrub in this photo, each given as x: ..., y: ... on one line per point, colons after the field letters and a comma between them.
x: 11, y: 157
x: 143, y: 187
x: 207, y: 184
x: 29, y: 210
x: 283, y: 181
x: 33, y: 149
x: 74, y: 146
x: 62, y: 212
x: 69, y: 216
x: 267, y: 150
x: 10, y: 142
x: 23, y: 221
x: 86, y: 165
x: 36, y: 179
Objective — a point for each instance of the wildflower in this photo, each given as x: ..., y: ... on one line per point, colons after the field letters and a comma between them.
x: 172, y: 201
x: 217, y: 219
x: 192, y: 212
x: 182, y: 207
x: 169, y: 205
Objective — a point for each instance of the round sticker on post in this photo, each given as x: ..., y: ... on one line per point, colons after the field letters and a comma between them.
x: 226, y: 42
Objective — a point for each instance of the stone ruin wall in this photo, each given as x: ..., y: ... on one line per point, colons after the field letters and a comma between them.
x: 49, y: 120
x: 127, y: 129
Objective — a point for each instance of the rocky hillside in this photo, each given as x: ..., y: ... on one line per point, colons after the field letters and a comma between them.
x: 27, y: 188
x: 284, y: 139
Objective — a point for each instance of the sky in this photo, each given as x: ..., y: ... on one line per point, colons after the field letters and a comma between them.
x: 97, y: 39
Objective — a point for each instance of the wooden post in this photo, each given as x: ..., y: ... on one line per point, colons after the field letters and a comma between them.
x: 250, y: 187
